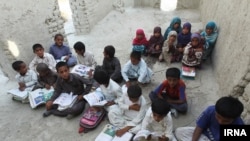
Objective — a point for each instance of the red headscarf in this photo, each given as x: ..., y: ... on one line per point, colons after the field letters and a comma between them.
x: 142, y: 41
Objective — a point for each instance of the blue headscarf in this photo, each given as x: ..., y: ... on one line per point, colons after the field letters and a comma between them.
x: 171, y: 27
x: 210, y: 39
x: 184, y: 39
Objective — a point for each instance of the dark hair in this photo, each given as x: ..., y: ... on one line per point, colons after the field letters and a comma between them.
x: 61, y: 64
x: 17, y: 65
x: 134, y: 91
x: 173, y: 72
x: 229, y: 107
x: 101, y: 76
x: 36, y: 46
x: 42, y: 67
x: 136, y: 55
x: 110, y: 51
x: 160, y: 106
x: 79, y: 46
x: 57, y: 35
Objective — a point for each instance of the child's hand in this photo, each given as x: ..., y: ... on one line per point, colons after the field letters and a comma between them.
x: 110, y: 103
x: 90, y: 73
x: 180, y: 49
x: 49, y: 104
x: 21, y: 84
x: 120, y: 132
x: 66, y: 58
x: 157, y: 47
x: 80, y: 97
x: 47, y: 86
x: 128, y: 84
x: 135, y: 107
x: 163, y: 138
x: 21, y: 88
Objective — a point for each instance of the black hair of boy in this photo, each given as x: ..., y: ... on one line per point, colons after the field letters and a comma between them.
x: 160, y: 106
x: 17, y: 65
x: 36, y: 46
x: 57, y: 35
x: 101, y: 76
x: 136, y: 55
x: 79, y: 46
x: 173, y: 72
x: 61, y: 64
x: 42, y: 67
x: 229, y: 107
x: 110, y: 51
x: 134, y: 91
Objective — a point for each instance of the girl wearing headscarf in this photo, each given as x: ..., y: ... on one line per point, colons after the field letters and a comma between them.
x: 174, y: 25
x: 156, y: 42
x: 210, y: 36
x: 140, y: 42
x: 185, y: 36
x: 169, y: 47
x: 193, y: 52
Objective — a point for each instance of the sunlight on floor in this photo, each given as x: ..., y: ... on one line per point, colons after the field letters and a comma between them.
x: 168, y: 5
x: 13, y: 48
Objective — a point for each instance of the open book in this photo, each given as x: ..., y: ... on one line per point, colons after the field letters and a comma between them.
x: 144, y: 134
x: 188, y: 71
x: 81, y: 70
x: 95, y: 98
x: 40, y: 96
x: 65, y: 101
x: 61, y: 59
x: 108, y: 134
x: 20, y: 94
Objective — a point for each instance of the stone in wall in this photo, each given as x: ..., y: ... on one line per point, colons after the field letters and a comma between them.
x: 147, y: 3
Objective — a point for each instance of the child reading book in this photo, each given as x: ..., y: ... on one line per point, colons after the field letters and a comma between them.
x: 67, y: 83
x: 158, y: 120
x: 132, y: 109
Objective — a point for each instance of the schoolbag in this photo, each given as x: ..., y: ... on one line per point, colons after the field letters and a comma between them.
x: 90, y: 120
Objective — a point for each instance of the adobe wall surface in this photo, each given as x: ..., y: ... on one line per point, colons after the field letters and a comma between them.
x: 231, y: 57
x: 24, y: 23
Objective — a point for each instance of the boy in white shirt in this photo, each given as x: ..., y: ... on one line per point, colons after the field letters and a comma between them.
x: 158, y: 119
x: 42, y: 57
x: 132, y: 110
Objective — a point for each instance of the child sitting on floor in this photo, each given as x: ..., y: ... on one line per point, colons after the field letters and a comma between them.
x: 111, y: 64
x: 173, y: 91
x: 158, y: 119
x: 185, y: 36
x: 42, y: 57
x: 136, y: 69
x: 132, y: 110
x: 175, y: 25
x: 47, y: 77
x: 140, y: 42
x: 62, y: 52
x: 226, y: 111
x: 156, y: 42
x: 66, y: 83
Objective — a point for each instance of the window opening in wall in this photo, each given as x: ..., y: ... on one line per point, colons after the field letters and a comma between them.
x: 168, y: 5
x: 66, y: 13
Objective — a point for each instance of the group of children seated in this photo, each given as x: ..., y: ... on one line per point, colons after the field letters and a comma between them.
x: 127, y: 110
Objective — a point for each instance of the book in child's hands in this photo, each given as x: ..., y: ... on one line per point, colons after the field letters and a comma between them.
x: 144, y: 134
x: 108, y: 134
x: 20, y: 94
x: 40, y: 96
x: 188, y: 71
x: 65, y: 101
x: 95, y: 98
x: 62, y: 59
x: 81, y: 70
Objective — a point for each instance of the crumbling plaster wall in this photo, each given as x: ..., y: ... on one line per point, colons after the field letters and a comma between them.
x: 24, y: 23
x: 231, y: 56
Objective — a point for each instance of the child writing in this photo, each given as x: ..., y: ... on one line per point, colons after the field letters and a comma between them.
x: 175, y: 25
x: 67, y: 83
x: 47, y: 77
x: 158, y: 119
x: 209, y: 36
x: 170, y: 52
x: 25, y: 77
x: 42, y: 57
x: 136, y: 69
x: 185, y: 36
x: 140, y: 42
x: 111, y: 64
x: 132, y: 110
x: 156, y: 42
x: 61, y: 51
x: 173, y: 91
x: 226, y: 111
x: 193, y: 52
x: 84, y: 57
